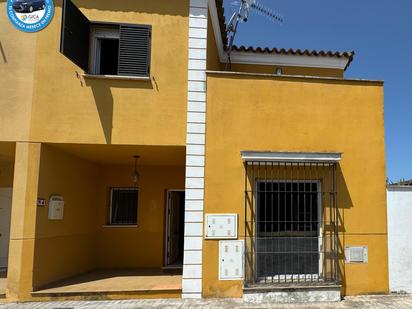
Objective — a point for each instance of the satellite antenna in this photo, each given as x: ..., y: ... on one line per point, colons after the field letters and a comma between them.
x: 242, y: 15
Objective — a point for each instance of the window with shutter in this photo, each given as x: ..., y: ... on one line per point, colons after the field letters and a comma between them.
x: 134, y: 50
x: 75, y: 31
x: 102, y: 48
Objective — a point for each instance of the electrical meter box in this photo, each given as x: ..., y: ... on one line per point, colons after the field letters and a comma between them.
x: 56, y: 207
x: 221, y: 226
x: 356, y: 254
x: 231, y: 259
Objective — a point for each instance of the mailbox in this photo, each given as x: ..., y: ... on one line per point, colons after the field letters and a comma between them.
x: 56, y: 207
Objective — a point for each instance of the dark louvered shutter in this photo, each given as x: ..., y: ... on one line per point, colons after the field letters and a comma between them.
x: 134, y: 50
x: 75, y: 31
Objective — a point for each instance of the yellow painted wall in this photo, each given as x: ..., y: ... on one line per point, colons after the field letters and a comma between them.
x: 287, y: 70
x: 65, y: 247
x: 70, y: 108
x: 298, y: 114
x: 17, y: 58
x: 141, y: 246
x: 23, y: 221
x: 6, y: 174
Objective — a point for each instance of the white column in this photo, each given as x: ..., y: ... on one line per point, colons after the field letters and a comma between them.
x: 195, y: 150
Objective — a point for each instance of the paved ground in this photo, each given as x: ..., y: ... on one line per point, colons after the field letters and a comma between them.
x: 375, y: 302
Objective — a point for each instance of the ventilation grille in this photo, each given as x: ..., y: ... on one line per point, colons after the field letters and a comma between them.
x: 356, y: 254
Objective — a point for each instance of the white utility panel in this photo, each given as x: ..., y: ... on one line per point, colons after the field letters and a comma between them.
x: 56, y: 207
x: 231, y: 259
x: 356, y: 254
x: 221, y: 226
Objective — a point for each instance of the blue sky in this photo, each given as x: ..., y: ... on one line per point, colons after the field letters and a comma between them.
x: 379, y: 31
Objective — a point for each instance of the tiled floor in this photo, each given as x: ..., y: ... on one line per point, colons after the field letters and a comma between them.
x: 118, y: 280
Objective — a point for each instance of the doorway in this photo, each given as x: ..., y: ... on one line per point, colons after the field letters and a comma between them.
x: 174, y: 236
x: 5, y: 218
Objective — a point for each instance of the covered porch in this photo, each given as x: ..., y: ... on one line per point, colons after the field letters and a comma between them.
x: 101, y: 223
x: 116, y: 282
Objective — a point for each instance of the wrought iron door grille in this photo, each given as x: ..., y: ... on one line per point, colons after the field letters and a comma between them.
x: 291, y: 223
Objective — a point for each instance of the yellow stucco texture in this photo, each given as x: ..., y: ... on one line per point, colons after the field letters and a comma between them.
x: 65, y: 247
x: 303, y: 115
x: 7, y: 154
x: 23, y: 219
x: 17, y: 58
x: 141, y: 246
x: 6, y: 174
x: 57, y: 104
x: 370, y: 278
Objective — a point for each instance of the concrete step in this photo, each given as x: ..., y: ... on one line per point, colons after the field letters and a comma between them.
x: 292, y: 293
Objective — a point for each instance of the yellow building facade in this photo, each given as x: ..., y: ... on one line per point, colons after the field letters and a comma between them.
x: 136, y: 177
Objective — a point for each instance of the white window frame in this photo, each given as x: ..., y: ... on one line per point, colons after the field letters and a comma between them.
x: 97, y: 34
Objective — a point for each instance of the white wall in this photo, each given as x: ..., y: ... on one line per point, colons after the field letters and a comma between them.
x: 399, y: 204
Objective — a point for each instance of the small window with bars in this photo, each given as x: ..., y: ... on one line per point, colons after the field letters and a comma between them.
x: 102, y: 48
x: 123, y: 206
x: 291, y: 223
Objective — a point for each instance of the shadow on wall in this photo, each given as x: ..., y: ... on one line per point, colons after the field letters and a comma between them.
x: 344, y: 202
x: 103, y: 97
x: 309, y: 80
x: 163, y: 7
x: 283, y: 174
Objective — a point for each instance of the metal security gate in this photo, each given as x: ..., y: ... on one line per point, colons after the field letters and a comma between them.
x: 291, y: 223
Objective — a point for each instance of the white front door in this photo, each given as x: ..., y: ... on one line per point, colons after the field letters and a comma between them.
x: 5, y: 218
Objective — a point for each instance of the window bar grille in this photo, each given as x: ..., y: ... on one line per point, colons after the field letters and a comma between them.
x: 312, y: 260
x: 291, y: 235
x: 336, y: 222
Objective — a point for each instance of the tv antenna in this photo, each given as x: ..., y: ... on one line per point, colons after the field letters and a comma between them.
x: 242, y: 15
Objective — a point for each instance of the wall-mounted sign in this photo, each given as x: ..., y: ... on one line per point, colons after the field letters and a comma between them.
x: 30, y: 15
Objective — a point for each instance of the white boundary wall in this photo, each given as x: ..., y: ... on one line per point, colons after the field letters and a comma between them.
x: 399, y: 205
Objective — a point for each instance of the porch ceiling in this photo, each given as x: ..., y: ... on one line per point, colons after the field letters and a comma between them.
x: 123, y: 154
